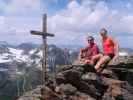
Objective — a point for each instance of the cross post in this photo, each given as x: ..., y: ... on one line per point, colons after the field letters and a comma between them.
x: 44, y: 35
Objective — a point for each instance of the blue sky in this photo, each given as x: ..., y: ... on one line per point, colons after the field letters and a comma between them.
x: 70, y: 20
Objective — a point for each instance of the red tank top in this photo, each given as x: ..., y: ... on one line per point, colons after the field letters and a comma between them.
x: 108, y: 46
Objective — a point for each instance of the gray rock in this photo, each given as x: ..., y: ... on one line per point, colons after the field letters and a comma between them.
x: 68, y: 89
x: 89, y: 76
x: 72, y: 76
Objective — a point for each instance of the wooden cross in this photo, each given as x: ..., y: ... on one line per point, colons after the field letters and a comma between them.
x: 44, y: 35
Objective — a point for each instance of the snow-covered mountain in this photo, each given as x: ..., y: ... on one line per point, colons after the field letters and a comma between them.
x: 29, y: 55
x: 23, y: 63
x: 9, y: 54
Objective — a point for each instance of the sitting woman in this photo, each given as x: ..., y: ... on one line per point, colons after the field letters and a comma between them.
x: 87, y: 53
x: 110, y: 51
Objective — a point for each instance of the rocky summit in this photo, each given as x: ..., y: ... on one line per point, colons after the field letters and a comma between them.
x: 80, y: 82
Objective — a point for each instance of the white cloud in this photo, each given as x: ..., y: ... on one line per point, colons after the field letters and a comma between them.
x: 70, y: 25
x: 16, y: 30
x: 17, y: 18
x: 2, y: 19
x: 76, y: 17
x: 127, y: 23
x: 77, y: 20
x: 23, y: 7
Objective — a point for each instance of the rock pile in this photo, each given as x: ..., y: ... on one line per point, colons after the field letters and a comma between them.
x: 80, y: 82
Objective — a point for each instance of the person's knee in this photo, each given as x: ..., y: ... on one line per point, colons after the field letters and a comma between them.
x: 97, y: 67
x: 93, y: 58
x: 96, y: 57
x: 100, y: 62
x: 106, y: 58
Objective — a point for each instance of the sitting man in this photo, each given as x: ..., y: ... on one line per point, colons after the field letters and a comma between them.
x: 87, y: 53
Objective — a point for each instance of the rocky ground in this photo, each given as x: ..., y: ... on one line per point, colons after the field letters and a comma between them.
x: 80, y: 82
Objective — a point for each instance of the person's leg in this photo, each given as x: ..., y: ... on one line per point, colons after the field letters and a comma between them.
x: 96, y: 58
x: 103, y: 60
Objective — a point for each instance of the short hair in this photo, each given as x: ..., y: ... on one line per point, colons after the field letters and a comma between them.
x: 90, y: 38
x: 105, y: 30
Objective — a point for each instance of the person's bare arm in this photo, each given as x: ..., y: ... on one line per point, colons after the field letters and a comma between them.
x: 80, y: 55
x: 116, y: 47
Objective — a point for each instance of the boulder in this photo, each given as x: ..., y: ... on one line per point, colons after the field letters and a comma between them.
x: 68, y: 76
x: 89, y: 76
x: 67, y: 89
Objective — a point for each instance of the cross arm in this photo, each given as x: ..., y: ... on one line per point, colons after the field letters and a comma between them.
x: 36, y: 32
x: 41, y: 33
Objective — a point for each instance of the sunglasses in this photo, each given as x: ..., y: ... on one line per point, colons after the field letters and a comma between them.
x: 90, y: 40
